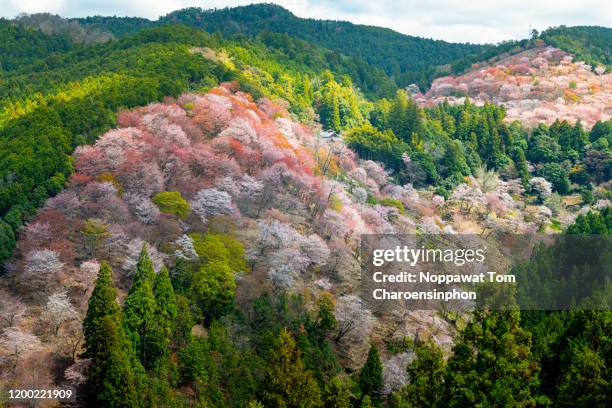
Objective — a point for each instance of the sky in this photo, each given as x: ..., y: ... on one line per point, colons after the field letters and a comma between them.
x: 477, y: 21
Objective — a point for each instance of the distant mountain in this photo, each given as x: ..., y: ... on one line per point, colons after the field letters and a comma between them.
x: 406, y: 59
x: 117, y: 26
x: 409, y: 59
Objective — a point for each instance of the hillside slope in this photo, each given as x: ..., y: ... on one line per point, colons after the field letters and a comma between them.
x: 410, y: 59
x: 541, y: 84
x: 591, y: 44
x: 220, y: 166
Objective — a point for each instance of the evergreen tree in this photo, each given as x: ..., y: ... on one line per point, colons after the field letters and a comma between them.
x: 454, y: 159
x: 492, y: 364
x: 139, y: 309
x: 164, y: 317
x: 326, y: 319
x: 370, y: 376
x: 111, y: 381
x: 520, y: 163
x: 338, y: 393
x: 101, y: 303
x: 288, y: 383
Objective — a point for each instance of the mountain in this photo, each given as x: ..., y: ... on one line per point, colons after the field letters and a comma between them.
x: 182, y: 218
x: 406, y: 59
x: 59, y: 95
x: 409, y: 59
x: 540, y: 84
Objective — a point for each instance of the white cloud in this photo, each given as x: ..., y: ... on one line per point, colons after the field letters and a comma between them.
x: 451, y: 20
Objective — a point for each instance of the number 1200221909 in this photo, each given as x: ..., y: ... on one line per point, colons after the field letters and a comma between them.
x: 61, y: 394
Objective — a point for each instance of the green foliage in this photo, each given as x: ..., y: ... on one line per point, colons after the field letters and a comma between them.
x: 372, y: 144
x: 327, y: 322
x: 380, y: 47
x: 392, y: 202
x: 557, y: 175
x: 370, y: 376
x: 163, y: 318
x: 589, y: 44
x: 338, y: 393
x: 102, y: 302
x: 171, y: 202
x: 111, y: 380
x: 214, y: 287
x: 288, y: 382
x: 426, y: 372
x: 139, y: 310
x: 592, y: 223
x: 492, y: 364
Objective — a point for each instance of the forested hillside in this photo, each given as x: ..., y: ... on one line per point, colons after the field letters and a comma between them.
x: 592, y: 45
x: 181, y: 211
x: 539, y: 84
x: 408, y: 59
x: 55, y: 94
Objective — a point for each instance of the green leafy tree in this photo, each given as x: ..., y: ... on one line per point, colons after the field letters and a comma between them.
x: 171, y: 202
x: 557, y: 175
x: 327, y: 322
x: 102, y: 302
x: 338, y: 393
x: 454, y: 160
x: 213, y: 288
x: 164, y: 317
x: 111, y: 381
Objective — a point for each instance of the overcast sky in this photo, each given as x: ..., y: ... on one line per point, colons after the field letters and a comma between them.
x: 451, y: 20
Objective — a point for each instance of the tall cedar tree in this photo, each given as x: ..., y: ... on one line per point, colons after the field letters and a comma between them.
x: 111, y: 381
x: 101, y: 303
x: 139, y: 309
x: 370, y: 376
x: 288, y: 383
x: 164, y: 318
x: 492, y: 364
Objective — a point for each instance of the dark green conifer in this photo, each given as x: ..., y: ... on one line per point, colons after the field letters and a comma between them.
x: 370, y: 376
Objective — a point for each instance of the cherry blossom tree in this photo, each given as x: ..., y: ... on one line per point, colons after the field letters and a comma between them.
x: 87, y: 274
x: 395, y: 375
x: 67, y: 202
x: 360, y: 194
x: 58, y: 311
x: 76, y: 374
x: 287, y: 252
x: 212, y: 114
x: 541, y: 186
x: 12, y: 310
x: 14, y: 343
x: 132, y: 254
x: 42, y: 267
x: 143, y: 208
x: 210, y: 202
x: 468, y: 196
x: 355, y: 321
x: 185, y: 249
